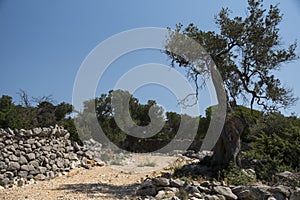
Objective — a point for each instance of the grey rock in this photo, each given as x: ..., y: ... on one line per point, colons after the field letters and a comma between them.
x: 31, y: 141
x: 86, y: 166
x: 191, y: 189
x: 34, y: 172
x: 38, y: 144
x: 5, y: 155
x: 89, y: 154
x: 147, y: 183
x: 9, y: 175
x: 13, y: 166
x: 54, y: 167
x: 42, y: 170
x: 161, y: 181
x: 28, y: 150
x: 40, y: 177
x: 23, y: 174
x: 241, y: 192
x: 21, y: 182
x: 4, y: 182
x: 84, y: 160
x: 67, y: 136
x: 148, y: 191
x: 259, y: 191
x: 160, y: 194
x: 204, y: 190
x: 60, y: 163
x: 279, y: 196
x: 198, y: 195
x: 211, y: 197
x: 11, y: 149
x: 168, y: 189
x: 76, y: 146
x: 256, y: 191
x: 50, y: 174
x: 176, y: 183
x: 295, y: 194
x: 30, y: 156
x: 225, y: 191
x: 195, y: 183
x: 72, y: 156
x: 46, y: 148
x: 69, y: 149
x: 13, y: 158
x: 287, y: 178
x: 52, y: 156
x: 34, y: 163
x: 10, y: 131
x: 205, y: 184
x: 2, y: 165
x: 280, y: 189
x: 30, y: 181
x: 221, y: 197
x: 37, y: 131
x: 27, y: 168
x: 66, y: 163
x: 8, y: 142
x: 48, y: 167
x: 23, y: 160
x: 27, y: 146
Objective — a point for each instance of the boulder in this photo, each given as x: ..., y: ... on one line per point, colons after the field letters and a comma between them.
x: 161, y: 181
x: 295, y: 194
x: 148, y: 191
x: 13, y: 166
x: 225, y: 191
x: 176, y: 183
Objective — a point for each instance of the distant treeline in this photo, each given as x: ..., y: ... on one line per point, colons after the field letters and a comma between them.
x: 270, y: 143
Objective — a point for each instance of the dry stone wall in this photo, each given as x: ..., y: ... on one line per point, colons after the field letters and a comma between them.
x: 42, y: 153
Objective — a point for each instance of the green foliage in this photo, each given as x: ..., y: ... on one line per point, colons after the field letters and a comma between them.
x: 236, y: 176
x: 43, y: 115
x: 246, y: 51
x: 274, y: 145
x: 139, y: 114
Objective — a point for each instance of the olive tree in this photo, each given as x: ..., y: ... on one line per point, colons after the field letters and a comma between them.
x: 246, y: 51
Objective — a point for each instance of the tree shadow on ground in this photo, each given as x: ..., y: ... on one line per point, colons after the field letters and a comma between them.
x: 100, y: 190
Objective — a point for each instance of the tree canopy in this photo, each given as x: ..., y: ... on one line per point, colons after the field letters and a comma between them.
x: 246, y: 51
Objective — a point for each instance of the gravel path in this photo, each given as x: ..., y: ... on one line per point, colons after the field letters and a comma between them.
x: 108, y: 182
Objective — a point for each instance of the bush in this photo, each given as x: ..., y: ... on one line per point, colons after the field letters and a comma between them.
x: 274, y: 145
x: 237, y: 176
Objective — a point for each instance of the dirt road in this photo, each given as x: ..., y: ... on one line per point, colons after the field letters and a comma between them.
x: 108, y: 182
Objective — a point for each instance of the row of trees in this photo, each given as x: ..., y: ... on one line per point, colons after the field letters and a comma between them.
x: 270, y: 142
x: 26, y: 115
x: 139, y: 113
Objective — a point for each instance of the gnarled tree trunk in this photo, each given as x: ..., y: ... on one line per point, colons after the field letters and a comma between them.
x: 229, y: 144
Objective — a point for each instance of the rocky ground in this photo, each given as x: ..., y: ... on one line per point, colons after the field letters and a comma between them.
x: 107, y: 182
x: 145, y: 177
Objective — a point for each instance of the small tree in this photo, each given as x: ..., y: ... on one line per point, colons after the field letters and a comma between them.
x: 246, y: 51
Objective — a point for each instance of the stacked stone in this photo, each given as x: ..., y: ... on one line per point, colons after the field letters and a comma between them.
x: 38, y: 154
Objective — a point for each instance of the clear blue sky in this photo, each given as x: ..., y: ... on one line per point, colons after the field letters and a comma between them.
x: 43, y: 43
